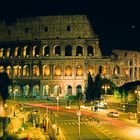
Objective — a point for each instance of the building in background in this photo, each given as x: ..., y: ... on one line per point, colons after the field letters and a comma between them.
x: 52, y: 55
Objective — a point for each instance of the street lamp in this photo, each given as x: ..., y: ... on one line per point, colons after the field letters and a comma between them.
x: 15, y: 90
x: 105, y: 88
x: 79, y: 114
x: 138, y: 105
x: 47, y: 112
x: 79, y: 94
x: 57, y: 99
x: 14, y: 95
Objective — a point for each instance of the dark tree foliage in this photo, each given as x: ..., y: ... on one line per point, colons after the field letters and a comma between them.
x: 90, y: 88
x: 4, y: 83
x: 111, y: 85
x: 128, y: 86
x: 97, y: 87
x: 94, y: 88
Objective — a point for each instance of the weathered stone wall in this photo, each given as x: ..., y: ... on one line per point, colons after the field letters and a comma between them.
x: 47, y: 27
x: 122, y: 66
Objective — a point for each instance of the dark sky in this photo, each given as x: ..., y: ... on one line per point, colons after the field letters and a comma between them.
x: 114, y: 21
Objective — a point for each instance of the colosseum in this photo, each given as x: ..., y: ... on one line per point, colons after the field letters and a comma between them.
x: 52, y: 55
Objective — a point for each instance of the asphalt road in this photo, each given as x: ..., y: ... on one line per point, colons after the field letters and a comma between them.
x: 68, y: 123
x: 93, y: 126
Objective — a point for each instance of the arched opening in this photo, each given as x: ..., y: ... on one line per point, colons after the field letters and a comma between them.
x: 90, y: 50
x: 1, y: 69
x: 79, y: 51
x: 45, y: 90
x: 17, y: 52
x: 36, y: 51
x: 16, y: 91
x: 26, y: 70
x: 57, y: 50
x: 35, y: 91
x: 69, y: 89
x: 36, y: 70
x: 46, y: 50
x: 10, y: 91
x: 26, y: 51
x: 17, y: 70
x: 79, y: 70
x: 102, y: 70
x: 131, y: 72
x: 116, y: 70
x: 126, y: 71
x: 46, y: 70
x: 135, y: 73
x: 9, y: 53
x: 9, y: 71
x: 68, y: 51
x: 78, y: 89
x: 68, y: 71
x: 91, y: 69
x: 26, y: 91
x: 56, y: 90
x: 57, y: 71
x: 1, y: 52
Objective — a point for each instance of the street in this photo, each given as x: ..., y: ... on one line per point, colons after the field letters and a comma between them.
x: 94, y: 125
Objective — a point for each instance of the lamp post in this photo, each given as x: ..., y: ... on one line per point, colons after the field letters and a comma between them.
x: 15, y: 90
x: 138, y: 105
x: 79, y: 114
x: 47, y: 112
x: 14, y: 94
x: 105, y: 87
x: 57, y: 132
x: 79, y: 94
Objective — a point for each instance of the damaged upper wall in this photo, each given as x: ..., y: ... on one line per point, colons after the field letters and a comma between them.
x: 48, y: 27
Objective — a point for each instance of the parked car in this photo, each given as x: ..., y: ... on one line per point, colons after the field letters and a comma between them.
x: 44, y: 97
x: 113, y: 114
x: 100, y: 106
x: 38, y: 97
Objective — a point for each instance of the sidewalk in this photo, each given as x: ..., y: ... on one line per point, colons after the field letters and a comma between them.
x: 33, y: 133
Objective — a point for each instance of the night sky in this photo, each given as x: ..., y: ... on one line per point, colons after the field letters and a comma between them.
x: 115, y: 22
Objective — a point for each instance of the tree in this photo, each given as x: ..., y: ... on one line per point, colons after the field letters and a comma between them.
x: 97, y: 87
x: 94, y: 88
x: 4, y: 83
x: 90, y: 88
x: 111, y: 84
x: 75, y: 98
x: 124, y: 89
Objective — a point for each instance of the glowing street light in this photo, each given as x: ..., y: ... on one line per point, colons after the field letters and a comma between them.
x: 105, y: 87
x: 15, y: 90
x: 137, y: 91
x: 79, y: 114
x: 57, y: 99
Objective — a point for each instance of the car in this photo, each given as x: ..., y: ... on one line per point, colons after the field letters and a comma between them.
x: 113, y: 114
x: 38, y: 97
x: 44, y: 97
x: 101, y: 106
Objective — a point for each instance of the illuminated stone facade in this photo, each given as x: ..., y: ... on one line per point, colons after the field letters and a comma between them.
x: 52, y: 55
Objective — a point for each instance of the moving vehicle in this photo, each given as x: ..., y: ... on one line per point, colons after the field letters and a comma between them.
x: 113, y: 114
